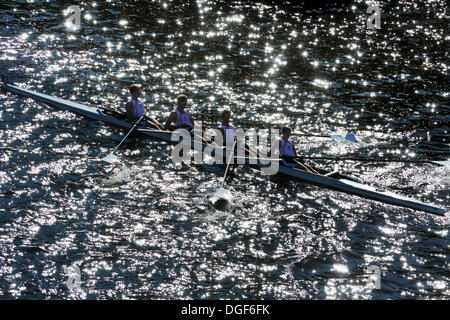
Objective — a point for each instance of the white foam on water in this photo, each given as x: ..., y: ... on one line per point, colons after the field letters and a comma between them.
x: 118, y: 178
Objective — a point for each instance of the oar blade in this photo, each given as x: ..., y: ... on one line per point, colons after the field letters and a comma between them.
x: 224, y: 194
x: 337, y: 137
x: 443, y: 163
x: 349, y: 138
x: 110, y: 158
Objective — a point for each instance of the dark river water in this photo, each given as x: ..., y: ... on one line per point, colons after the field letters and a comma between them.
x: 68, y: 231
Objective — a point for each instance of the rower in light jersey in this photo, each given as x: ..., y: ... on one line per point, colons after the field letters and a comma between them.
x: 227, y: 129
x: 135, y: 109
x: 287, y: 148
x: 229, y: 133
x: 288, y: 154
x: 180, y: 117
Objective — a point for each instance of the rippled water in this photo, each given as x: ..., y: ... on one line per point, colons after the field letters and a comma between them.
x: 151, y: 232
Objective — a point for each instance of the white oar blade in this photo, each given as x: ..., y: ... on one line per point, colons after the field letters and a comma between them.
x: 110, y: 158
x: 349, y: 138
x: 443, y: 163
x: 337, y: 137
x: 223, y: 193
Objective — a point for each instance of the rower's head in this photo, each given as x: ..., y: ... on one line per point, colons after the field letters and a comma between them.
x: 135, y: 90
x: 286, y: 132
x: 226, y: 115
x: 181, y: 101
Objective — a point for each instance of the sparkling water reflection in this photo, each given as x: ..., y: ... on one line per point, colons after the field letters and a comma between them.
x: 151, y: 232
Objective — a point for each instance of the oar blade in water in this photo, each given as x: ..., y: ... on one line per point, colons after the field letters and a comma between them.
x: 223, y: 193
x: 111, y: 158
x: 349, y: 138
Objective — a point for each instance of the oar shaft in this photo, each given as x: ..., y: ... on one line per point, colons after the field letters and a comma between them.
x: 155, y: 122
x: 132, y: 128
x: 306, y: 167
x: 368, y: 159
x: 228, y: 164
x: 263, y: 125
x: 343, y: 159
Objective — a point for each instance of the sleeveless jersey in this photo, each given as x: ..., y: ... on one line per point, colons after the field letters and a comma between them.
x: 182, y: 118
x: 230, y: 133
x: 286, y: 149
x: 138, y: 108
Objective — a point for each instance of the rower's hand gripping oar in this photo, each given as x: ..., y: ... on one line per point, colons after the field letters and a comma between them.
x: 223, y: 193
x: 111, y: 158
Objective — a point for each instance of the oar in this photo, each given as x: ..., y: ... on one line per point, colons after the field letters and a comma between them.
x: 155, y: 122
x: 439, y: 163
x: 111, y: 158
x: 348, y: 138
x: 223, y: 193
x: 304, y: 165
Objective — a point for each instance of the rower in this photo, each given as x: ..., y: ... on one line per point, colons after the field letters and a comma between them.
x: 227, y: 129
x: 135, y: 109
x: 288, y: 154
x: 287, y: 148
x: 180, y: 117
x: 229, y: 135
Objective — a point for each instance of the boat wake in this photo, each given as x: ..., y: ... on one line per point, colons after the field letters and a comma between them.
x: 118, y: 178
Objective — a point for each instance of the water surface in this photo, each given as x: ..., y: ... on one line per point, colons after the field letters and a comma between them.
x: 152, y: 233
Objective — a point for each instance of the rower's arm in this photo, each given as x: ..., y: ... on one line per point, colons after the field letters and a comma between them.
x: 170, y: 120
x: 191, y: 120
x: 294, y: 151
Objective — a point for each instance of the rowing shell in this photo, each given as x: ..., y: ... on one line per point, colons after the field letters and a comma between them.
x: 343, y: 184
